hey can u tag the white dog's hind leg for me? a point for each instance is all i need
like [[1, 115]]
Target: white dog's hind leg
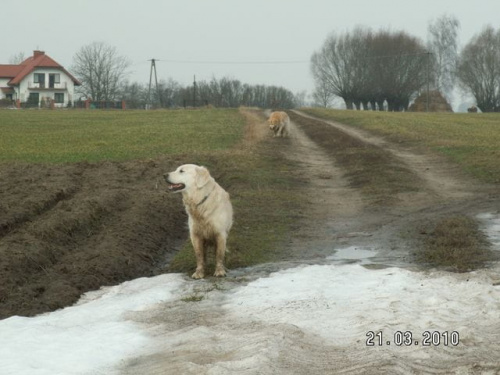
[[220, 252]]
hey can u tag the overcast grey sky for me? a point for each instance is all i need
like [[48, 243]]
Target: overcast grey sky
[[219, 30]]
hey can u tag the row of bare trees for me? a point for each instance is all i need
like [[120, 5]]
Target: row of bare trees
[[368, 69], [224, 92]]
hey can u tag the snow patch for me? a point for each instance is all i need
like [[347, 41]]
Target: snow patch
[[343, 303], [492, 223], [93, 334]]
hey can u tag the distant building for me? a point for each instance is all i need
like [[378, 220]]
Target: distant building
[[37, 79]]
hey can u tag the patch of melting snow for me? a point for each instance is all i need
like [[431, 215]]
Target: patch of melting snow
[[341, 303], [93, 334], [492, 227]]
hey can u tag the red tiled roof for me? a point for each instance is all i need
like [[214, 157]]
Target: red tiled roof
[[38, 60], [9, 71]]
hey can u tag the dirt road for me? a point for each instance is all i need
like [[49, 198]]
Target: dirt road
[[361, 277]]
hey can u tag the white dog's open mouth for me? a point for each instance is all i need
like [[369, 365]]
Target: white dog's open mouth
[[175, 187]]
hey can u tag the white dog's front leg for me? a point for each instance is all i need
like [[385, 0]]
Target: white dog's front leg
[[199, 251]]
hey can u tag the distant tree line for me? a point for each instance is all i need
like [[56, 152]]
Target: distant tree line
[[368, 69], [223, 92], [386, 69]]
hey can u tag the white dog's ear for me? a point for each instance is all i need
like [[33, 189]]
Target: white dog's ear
[[202, 177]]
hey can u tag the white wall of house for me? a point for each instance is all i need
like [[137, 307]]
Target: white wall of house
[[65, 86], [3, 83]]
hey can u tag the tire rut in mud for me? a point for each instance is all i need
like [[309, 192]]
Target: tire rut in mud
[[379, 175]]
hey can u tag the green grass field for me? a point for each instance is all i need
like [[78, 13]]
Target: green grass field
[[471, 140], [71, 136]]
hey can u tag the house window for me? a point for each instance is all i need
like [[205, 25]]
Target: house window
[[39, 78], [53, 79], [59, 97]]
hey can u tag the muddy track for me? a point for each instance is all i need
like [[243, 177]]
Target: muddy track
[[442, 179], [390, 217]]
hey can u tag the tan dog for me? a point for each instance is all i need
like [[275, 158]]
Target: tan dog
[[210, 213], [279, 122]]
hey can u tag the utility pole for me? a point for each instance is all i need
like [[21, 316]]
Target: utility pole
[[153, 67], [428, 80], [194, 91]]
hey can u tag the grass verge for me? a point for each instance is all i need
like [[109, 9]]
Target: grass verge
[[471, 140], [455, 243]]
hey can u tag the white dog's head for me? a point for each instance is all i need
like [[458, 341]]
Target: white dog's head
[[187, 177]]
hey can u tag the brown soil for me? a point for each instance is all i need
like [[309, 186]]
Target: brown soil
[[67, 229]]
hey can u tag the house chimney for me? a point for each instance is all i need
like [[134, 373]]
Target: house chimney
[[38, 53]]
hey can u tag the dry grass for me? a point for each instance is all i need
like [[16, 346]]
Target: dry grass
[[455, 243]]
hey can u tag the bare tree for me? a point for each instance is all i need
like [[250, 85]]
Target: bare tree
[[17, 59], [443, 43], [135, 94], [322, 95], [398, 67], [101, 71], [338, 64], [479, 69]]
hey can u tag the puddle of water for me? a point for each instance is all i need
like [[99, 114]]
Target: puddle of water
[[352, 254], [491, 222]]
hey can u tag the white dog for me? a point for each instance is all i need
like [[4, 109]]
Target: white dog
[[209, 210]]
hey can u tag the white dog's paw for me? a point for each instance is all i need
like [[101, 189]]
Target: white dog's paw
[[220, 272], [199, 274]]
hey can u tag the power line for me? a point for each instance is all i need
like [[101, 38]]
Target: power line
[[221, 62]]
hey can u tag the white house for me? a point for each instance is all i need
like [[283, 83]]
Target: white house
[[38, 78]]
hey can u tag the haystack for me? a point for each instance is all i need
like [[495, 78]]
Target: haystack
[[437, 103]]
